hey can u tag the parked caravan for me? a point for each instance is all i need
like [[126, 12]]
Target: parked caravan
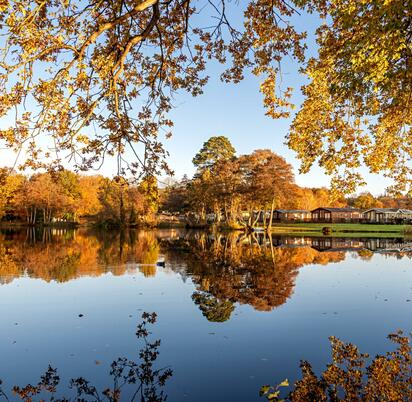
[[387, 215]]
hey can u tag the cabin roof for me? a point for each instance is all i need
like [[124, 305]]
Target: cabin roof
[[337, 209], [292, 210], [395, 210]]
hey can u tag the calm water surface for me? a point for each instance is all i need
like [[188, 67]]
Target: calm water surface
[[234, 312]]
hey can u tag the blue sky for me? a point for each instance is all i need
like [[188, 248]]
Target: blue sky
[[236, 111]]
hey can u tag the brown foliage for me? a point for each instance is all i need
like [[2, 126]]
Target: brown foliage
[[349, 378]]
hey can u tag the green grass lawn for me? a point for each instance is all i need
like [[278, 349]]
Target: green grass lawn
[[341, 228]]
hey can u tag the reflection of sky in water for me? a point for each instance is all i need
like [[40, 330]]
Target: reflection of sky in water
[[360, 301]]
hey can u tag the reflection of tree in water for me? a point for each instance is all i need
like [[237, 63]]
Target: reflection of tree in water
[[234, 268], [352, 376], [127, 246], [365, 254], [213, 309], [140, 380], [62, 255], [257, 270]]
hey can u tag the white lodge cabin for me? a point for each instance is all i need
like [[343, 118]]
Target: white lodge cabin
[[387, 215]]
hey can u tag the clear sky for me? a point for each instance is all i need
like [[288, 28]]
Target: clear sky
[[236, 111]]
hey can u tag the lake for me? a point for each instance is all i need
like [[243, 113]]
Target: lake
[[234, 312]]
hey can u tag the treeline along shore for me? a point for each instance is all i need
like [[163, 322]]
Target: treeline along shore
[[250, 191]]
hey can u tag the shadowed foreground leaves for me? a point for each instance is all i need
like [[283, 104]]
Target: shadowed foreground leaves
[[146, 381], [348, 378]]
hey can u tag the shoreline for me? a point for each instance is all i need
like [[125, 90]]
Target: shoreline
[[302, 229]]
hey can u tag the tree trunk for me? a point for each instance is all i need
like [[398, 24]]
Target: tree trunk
[[202, 214], [271, 214], [256, 220], [264, 219], [226, 213], [121, 210], [272, 253], [217, 211], [45, 216]]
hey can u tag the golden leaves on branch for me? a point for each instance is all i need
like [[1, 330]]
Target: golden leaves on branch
[[114, 70], [357, 109]]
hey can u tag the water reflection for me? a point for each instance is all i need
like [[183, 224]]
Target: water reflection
[[253, 270], [62, 255], [132, 379], [209, 290], [258, 270]]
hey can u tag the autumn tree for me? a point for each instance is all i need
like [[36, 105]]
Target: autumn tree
[[46, 196], [357, 107], [36, 195], [367, 201], [303, 198], [125, 204], [109, 71], [267, 181], [199, 192], [10, 185], [216, 190], [112, 196], [89, 203], [395, 202], [216, 167], [214, 150], [68, 185], [257, 182], [148, 187], [175, 198], [226, 190]]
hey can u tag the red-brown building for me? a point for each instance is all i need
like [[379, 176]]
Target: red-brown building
[[336, 215]]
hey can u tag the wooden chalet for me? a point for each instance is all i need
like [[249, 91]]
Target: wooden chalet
[[290, 215], [387, 215], [336, 215]]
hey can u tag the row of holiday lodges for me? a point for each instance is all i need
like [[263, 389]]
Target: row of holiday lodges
[[331, 215]]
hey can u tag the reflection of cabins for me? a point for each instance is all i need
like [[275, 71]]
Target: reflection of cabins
[[280, 241], [387, 215], [399, 245], [297, 241], [349, 244], [336, 244], [336, 215], [284, 215]]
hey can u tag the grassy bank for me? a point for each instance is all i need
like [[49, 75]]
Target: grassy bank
[[342, 228]]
